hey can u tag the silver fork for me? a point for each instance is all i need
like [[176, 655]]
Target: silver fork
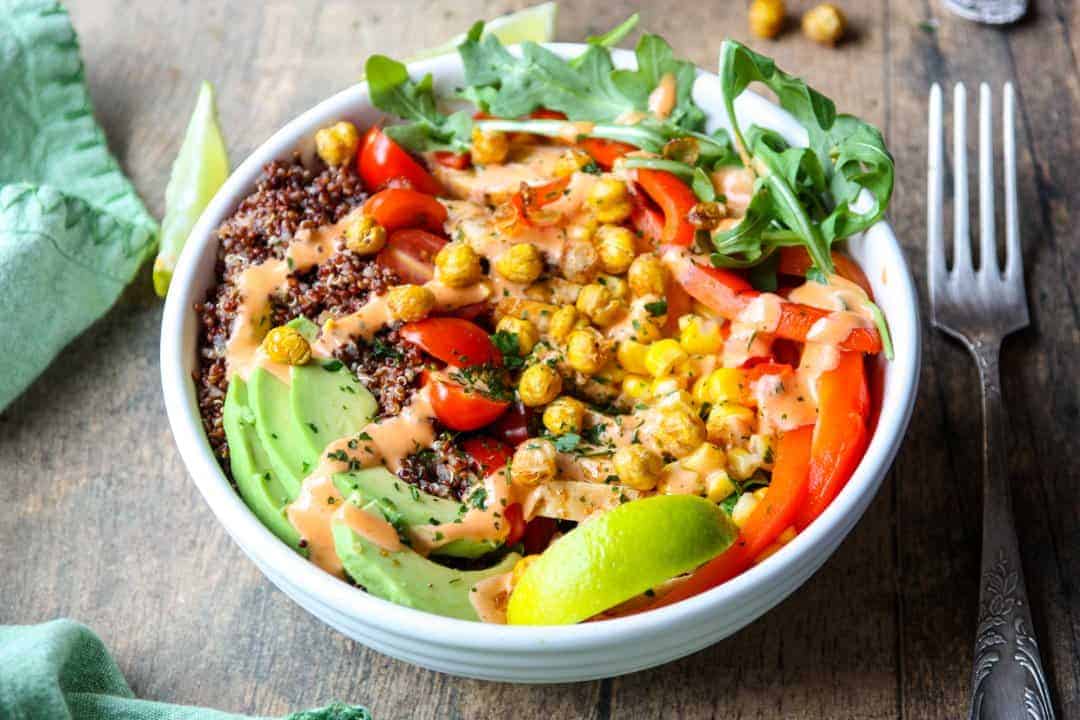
[[979, 307]]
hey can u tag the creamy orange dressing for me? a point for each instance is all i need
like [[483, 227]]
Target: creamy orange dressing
[[478, 523], [487, 183], [584, 469], [677, 480], [662, 98], [751, 332], [784, 402], [318, 506], [490, 596], [570, 499], [736, 184], [847, 302]]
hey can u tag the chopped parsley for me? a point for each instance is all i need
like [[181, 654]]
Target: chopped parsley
[[657, 308]]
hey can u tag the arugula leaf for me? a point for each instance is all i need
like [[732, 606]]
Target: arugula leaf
[[803, 196], [615, 35], [655, 60], [393, 91]]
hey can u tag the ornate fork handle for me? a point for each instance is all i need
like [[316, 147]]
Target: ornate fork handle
[[1008, 681]]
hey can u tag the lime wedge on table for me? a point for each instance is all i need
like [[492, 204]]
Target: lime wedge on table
[[536, 23], [199, 170], [617, 556]]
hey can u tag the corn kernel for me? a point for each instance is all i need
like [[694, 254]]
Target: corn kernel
[[618, 287], [635, 386], [337, 144], [410, 303], [570, 161], [663, 386], [648, 276], [562, 322], [522, 263], [585, 351], [489, 148], [526, 332], [761, 446], [674, 398], [616, 247], [742, 463], [638, 466], [725, 385], [364, 236], [744, 508], [457, 265], [705, 459], [760, 493], [699, 336], [718, 486], [631, 355], [663, 356], [597, 303], [539, 385], [610, 200], [564, 415]]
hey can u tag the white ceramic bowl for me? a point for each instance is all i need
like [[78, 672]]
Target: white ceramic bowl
[[528, 654]]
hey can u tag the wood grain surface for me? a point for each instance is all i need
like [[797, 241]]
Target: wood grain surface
[[101, 523]]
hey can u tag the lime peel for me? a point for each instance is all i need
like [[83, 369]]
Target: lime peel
[[535, 24], [200, 169], [618, 556]]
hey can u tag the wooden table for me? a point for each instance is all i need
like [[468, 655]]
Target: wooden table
[[101, 522]]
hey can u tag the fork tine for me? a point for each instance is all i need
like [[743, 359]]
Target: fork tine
[[1013, 261], [935, 179], [961, 230], [988, 264]]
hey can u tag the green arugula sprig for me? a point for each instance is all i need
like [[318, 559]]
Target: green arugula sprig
[[803, 196]]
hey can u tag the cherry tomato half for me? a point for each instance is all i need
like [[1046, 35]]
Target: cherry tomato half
[[456, 161], [380, 159], [512, 427], [410, 254], [396, 208], [454, 341], [489, 453], [461, 409]]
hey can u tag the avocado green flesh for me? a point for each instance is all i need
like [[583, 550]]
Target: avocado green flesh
[[409, 579], [415, 507], [257, 483], [327, 405], [290, 458]]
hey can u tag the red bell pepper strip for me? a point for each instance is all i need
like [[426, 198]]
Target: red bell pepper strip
[[605, 152], [533, 197], [796, 261], [769, 519], [380, 159], [675, 199], [840, 435], [728, 294], [395, 208]]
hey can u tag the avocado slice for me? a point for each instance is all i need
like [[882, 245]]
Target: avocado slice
[[290, 458], [413, 506], [260, 487], [407, 578], [327, 403]]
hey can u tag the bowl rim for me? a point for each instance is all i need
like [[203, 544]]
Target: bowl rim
[[266, 550]]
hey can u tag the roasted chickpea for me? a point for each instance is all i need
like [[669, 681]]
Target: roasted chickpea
[[539, 385], [286, 345], [730, 424], [564, 415], [522, 263], [598, 304], [677, 431], [458, 265], [337, 144], [580, 261], [526, 333], [586, 351], [767, 18], [648, 276], [534, 462], [562, 322], [610, 200], [620, 289], [616, 247], [410, 303], [582, 231], [706, 215], [684, 150], [638, 466], [489, 148], [364, 236], [824, 24]]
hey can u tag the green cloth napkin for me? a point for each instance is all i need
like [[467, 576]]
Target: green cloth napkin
[[61, 670], [73, 232]]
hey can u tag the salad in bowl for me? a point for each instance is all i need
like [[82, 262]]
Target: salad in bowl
[[549, 349]]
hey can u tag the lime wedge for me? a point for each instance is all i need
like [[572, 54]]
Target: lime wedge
[[536, 23], [617, 556], [199, 170]]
